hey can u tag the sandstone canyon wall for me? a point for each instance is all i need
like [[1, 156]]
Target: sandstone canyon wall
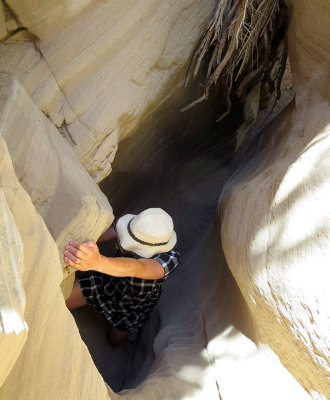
[[275, 213], [53, 356], [94, 70], [76, 78]]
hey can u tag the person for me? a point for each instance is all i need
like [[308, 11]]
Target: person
[[125, 288]]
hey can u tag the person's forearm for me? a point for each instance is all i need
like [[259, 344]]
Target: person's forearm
[[130, 267], [86, 256]]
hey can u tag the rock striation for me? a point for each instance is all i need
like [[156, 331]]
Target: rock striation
[[65, 196], [96, 73]]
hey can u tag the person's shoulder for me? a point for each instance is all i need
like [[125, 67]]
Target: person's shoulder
[[171, 253], [168, 260], [170, 257], [175, 252]]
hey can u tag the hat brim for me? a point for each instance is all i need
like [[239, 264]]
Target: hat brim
[[129, 244]]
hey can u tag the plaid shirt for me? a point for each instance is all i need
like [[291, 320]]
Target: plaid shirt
[[126, 302]]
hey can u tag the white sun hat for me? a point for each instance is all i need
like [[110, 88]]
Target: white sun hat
[[146, 234]]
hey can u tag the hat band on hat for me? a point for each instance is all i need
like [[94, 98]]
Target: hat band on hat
[[139, 240]]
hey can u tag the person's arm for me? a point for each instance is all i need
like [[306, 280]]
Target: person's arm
[[86, 256], [109, 234]]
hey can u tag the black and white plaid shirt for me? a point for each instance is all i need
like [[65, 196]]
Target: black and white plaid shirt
[[126, 302]]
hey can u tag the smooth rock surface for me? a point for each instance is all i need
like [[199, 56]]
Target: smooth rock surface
[[54, 362], [113, 63], [13, 328], [71, 204], [275, 213], [3, 29]]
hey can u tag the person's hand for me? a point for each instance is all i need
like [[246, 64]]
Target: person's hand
[[83, 256]]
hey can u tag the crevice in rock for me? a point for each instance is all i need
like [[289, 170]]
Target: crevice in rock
[[10, 13], [63, 129], [12, 34], [14, 26]]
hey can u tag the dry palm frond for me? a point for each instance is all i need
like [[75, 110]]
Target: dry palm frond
[[237, 40]]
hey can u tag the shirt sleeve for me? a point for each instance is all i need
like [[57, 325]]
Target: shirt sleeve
[[169, 261]]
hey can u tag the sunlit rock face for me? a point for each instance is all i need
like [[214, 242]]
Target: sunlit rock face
[[47, 198], [98, 67], [67, 198], [13, 328], [275, 213], [54, 360]]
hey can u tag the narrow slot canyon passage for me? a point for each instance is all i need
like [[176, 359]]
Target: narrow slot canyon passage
[[216, 111], [181, 165], [198, 337]]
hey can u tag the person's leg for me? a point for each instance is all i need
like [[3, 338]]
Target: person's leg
[[76, 299], [115, 336]]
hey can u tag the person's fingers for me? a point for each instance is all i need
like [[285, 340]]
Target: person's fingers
[[75, 244], [68, 254], [86, 248], [70, 262], [90, 243], [76, 252]]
